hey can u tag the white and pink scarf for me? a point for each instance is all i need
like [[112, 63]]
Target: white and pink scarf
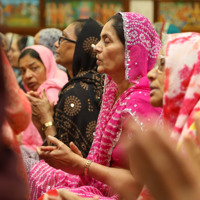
[[182, 82]]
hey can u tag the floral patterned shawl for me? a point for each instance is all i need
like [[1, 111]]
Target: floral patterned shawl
[[142, 46], [182, 82]]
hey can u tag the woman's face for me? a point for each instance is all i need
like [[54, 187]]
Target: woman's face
[[65, 50], [110, 52], [157, 76], [33, 72], [13, 54]]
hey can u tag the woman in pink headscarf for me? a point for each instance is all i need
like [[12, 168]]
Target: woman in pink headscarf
[[126, 52], [39, 72]]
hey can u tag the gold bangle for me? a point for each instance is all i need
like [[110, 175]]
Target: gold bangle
[[86, 167], [46, 125]]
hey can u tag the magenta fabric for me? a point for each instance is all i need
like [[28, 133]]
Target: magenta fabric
[[55, 80], [134, 101], [142, 46]]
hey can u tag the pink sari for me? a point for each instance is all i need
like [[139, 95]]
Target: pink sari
[[142, 47], [55, 80]]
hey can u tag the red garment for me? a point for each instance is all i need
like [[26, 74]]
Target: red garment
[[17, 111]]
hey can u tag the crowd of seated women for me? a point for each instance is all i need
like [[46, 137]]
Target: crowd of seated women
[[101, 112]]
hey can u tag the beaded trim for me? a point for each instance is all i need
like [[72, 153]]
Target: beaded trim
[[138, 30]]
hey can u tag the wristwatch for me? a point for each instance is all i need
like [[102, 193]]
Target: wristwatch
[[46, 125]]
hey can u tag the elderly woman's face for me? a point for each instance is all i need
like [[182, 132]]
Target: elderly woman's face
[[65, 50], [157, 76], [110, 52], [33, 72]]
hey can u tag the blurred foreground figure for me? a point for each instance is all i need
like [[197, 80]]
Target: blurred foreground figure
[[175, 81], [15, 115]]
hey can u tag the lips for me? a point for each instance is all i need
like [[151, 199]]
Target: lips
[[97, 57], [98, 61], [31, 85], [153, 89]]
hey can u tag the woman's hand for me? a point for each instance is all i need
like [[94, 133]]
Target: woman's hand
[[62, 157], [64, 194], [168, 174], [42, 109]]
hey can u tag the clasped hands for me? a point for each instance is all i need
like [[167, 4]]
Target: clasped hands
[[41, 107], [60, 156]]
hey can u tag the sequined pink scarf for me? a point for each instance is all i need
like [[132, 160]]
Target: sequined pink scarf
[[142, 46]]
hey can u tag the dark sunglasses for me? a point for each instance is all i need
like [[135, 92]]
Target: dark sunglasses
[[64, 38]]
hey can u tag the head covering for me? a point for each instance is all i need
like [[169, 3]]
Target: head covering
[[48, 36], [84, 56], [182, 81], [55, 78], [142, 46]]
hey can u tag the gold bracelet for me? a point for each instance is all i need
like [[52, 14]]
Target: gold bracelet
[[86, 167], [46, 125]]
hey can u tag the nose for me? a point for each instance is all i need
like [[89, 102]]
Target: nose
[[152, 74], [56, 44], [97, 48], [9, 53], [27, 74]]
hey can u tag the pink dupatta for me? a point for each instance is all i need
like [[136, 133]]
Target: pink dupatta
[[142, 47], [55, 80]]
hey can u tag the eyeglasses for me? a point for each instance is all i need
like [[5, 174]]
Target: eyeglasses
[[160, 64], [64, 38]]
